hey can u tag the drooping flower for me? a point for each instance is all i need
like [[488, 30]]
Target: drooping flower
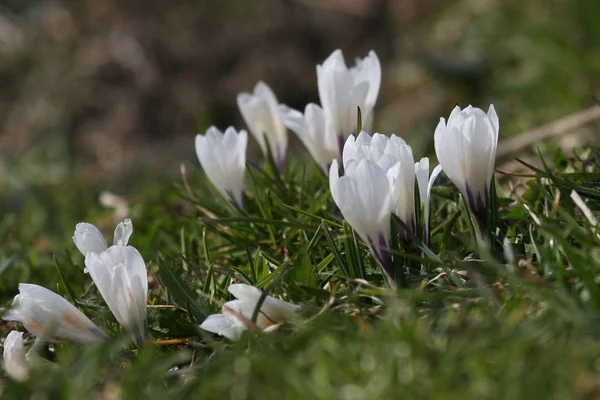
[[89, 239], [15, 363], [364, 197], [466, 149], [342, 90], [260, 110], [42, 311], [223, 158], [231, 326], [121, 278], [310, 128], [425, 183], [395, 157]]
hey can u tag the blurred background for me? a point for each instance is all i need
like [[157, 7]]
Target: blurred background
[[108, 95]]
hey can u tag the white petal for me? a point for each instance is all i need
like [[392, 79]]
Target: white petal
[[223, 159], [422, 174], [88, 239], [274, 309], [15, 363], [121, 278], [426, 207], [222, 325], [123, 232], [42, 311]]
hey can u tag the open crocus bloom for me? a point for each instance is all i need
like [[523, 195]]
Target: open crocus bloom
[[260, 110], [342, 90], [15, 363], [89, 239], [228, 323], [364, 197], [223, 159], [310, 128], [42, 311], [425, 184], [395, 157], [121, 278], [466, 149]]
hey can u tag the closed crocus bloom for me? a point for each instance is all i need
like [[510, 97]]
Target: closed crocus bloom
[[260, 110], [364, 197], [231, 326], [342, 90], [425, 184], [42, 311], [395, 157], [89, 239], [121, 278], [223, 159], [310, 128], [15, 363], [466, 148]]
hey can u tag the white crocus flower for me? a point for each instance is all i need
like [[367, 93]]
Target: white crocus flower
[[231, 326], [466, 149], [43, 312], [223, 159], [260, 110], [89, 239], [15, 363], [364, 197], [395, 157], [425, 183], [121, 278], [342, 90], [310, 128]]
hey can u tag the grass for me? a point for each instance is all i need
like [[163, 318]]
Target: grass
[[469, 322]]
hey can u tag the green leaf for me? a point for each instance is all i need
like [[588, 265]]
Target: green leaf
[[181, 289]]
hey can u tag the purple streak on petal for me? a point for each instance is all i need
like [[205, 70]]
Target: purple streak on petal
[[279, 158], [404, 236], [478, 206], [341, 140], [382, 255]]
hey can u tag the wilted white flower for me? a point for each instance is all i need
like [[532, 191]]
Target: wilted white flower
[[425, 183], [342, 90], [42, 311], [228, 323], [89, 239], [121, 278], [223, 158], [466, 149], [364, 197], [260, 110], [15, 363], [310, 128], [395, 157]]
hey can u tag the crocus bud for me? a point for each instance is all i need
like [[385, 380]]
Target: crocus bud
[[466, 149], [15, 363], [364, 197], [260, 110], [395, 157], [310, 128], [231, 326], [121, 278], [223, 159], [343, 90], [425, 183], [43, 312]]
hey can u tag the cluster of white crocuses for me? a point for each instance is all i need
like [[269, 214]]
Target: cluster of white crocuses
[[119, 273], [323, 129], [379, 171]]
